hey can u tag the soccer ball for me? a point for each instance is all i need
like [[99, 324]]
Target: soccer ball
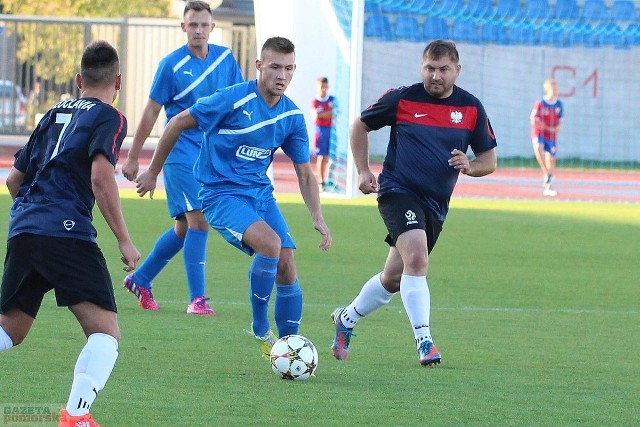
[[294, 357]]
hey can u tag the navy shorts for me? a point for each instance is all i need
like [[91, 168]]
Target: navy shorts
[[75, 269], [401, 212]]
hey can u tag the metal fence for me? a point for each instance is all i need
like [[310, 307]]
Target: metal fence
[[39, 57]]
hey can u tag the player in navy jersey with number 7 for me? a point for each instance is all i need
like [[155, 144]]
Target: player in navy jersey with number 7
[[244, 125], [67, 166], [433, 123]]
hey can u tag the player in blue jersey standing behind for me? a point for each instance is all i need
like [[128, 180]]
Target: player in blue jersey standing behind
[[244, 125], [433, 123], [194, 70], [66, 167]]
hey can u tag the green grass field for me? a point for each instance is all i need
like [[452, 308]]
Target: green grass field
[[535, 312]]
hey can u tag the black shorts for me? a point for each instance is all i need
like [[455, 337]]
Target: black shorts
[[402, 212], [75, 269]]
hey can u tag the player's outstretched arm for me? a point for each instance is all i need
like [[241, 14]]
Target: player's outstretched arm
[[146, 182], [311, 196], [105, 190], [149, 116]]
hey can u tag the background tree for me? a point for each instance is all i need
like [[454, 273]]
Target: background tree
[[50, 50]]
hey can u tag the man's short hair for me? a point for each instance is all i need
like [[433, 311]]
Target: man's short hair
[[438, 49], [198, 6], [278, 44], [99, 65]]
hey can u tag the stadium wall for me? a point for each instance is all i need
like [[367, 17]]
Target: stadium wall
[[596, 90], [595, 86]]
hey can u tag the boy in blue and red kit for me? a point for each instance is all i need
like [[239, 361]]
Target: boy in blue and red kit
[[322, 110], [545, 125]]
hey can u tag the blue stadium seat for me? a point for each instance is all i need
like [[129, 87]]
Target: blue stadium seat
[[407, 28], [567, 10], [552, 34], [372, 8], [536, 9], [581, 33], [507, 9], [610, 34], [494, 32], [524, 33], [421, 6], [465, 32], [595, 10], [623, 10], [479, 9], [632, 34], [435, 28], [393, 6], [450, 9], [377, 26]]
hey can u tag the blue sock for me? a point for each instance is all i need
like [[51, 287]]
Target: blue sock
[[165, 248], [195, 249], [262, 276], [288, 310]]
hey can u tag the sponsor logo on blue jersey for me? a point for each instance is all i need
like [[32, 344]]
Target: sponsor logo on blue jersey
[[252, 153]]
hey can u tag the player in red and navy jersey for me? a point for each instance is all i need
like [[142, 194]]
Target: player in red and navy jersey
[[545, 125], [322, 111], [433, 124], [57, 177]]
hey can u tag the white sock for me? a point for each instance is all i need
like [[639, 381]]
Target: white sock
[[372, 296], [414, 291], [5, 340], [93, 368]]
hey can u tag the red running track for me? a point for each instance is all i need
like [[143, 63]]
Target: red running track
[[511, 183]]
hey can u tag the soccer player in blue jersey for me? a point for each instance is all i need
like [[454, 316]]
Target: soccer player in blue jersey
[[433, 123], [66, 167], [190, 72], [244, 125]]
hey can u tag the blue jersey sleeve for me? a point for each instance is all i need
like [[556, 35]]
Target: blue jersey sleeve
[[163, 86], [210, 110], [296, 144]]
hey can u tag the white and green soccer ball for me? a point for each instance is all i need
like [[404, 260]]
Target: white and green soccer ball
[[294, 357]]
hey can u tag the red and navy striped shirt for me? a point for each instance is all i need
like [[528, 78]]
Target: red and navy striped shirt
[[424, 131]]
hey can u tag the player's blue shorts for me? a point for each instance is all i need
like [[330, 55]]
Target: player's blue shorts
[[182, 189], [323, 140], [232, 212], [549, 145]]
